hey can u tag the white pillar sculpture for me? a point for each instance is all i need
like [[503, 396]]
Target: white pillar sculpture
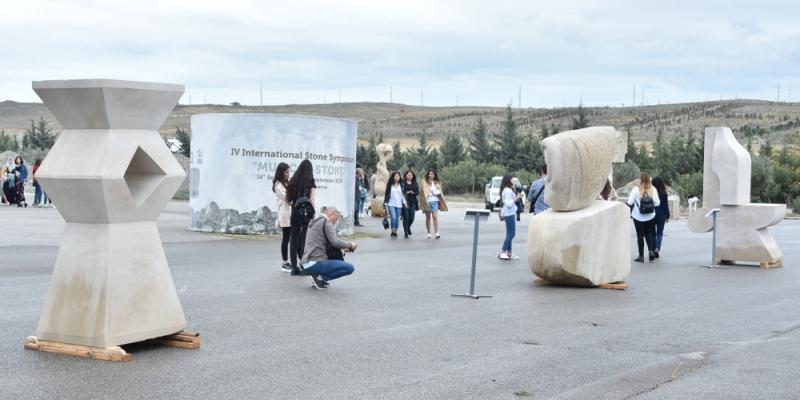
[[111, 175], [742, 233], [385, 153], [580, 241]]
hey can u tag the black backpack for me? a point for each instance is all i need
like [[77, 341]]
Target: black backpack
[[647, 205], [303, 208]]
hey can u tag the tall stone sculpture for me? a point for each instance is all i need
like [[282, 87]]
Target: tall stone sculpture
[[111, 175], [741, 226], [385, 153], [580, 241]]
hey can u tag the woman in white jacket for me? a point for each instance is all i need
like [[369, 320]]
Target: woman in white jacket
[[643, 200], [508, 214], [279, 183]]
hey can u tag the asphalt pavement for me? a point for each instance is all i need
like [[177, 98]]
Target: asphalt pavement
[[392, 330]]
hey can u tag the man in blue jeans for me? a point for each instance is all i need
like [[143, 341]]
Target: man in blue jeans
[[321, 232]]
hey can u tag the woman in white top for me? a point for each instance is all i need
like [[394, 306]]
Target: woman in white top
[[643, 200], [279, 183], [431, 200], [508, 213], [394, 200]]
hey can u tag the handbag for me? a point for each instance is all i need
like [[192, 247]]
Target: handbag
[[331, 251], [385, 223]]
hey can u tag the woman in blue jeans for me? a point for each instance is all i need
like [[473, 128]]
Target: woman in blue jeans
[[662, 213], [395, 200], [508, 213]]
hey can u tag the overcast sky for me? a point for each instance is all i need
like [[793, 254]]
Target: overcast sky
[[559, 52]]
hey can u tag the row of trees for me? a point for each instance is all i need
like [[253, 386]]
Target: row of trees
[[38, 140]]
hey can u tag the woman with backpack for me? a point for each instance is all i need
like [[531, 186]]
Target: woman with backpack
[[662, 212], [279, 186], [643, 200], [509, 196], [300, 194], [394, 201]]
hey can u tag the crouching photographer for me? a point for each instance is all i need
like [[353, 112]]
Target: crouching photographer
[[324, 260]]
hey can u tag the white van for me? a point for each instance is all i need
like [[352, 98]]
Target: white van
[[492, 192]]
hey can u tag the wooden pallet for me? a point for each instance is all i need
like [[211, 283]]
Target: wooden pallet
[[613, 286], [764, 264], [182, 339]]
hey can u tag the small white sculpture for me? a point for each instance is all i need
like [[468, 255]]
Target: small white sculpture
[[693, 203], [385, 153]]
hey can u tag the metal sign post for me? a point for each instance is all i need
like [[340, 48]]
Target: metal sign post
[[713, 214], [477, 216]]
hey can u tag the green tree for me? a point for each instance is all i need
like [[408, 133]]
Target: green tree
[[184, 142], [399, 158], [480, 149], [452, 150], [531, 153], [625, 172], [761, 179], [631, 153], [544, 131], [690, 185], [507, 144], [367, 156], [7, 142], [39, 136], [766, 148], [581, 121]]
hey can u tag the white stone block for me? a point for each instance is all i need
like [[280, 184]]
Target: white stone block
[[743, 235], [587, 247], [110, 175], [577, 166]]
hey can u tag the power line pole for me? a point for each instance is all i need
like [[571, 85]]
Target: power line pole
[[633, 103], [643, 102], [779, 92], [260, 94], [390, 95], [519, 97], [456, 100], [421, 97]]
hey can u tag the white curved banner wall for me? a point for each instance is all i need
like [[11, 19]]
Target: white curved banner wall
[[234, 157]]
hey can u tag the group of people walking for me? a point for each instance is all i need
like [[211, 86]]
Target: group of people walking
[[404, 197], [13, 177]]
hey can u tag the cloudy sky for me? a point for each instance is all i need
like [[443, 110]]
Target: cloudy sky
[[479, 52]]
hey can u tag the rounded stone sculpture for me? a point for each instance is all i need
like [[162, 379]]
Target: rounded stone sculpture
[[577, 166], [110, 174]]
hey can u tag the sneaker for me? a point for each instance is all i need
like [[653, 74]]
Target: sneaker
[[656, 253], [298, 271], [503, 256], [429, 236], [652, 256], [406, 236], [318, 283], [639, 259], [438, 236], [286, 267]]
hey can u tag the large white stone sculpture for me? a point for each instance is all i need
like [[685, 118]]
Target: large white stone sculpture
[[111, 175], [577, 166], [581, 241], [385, 153], [742, 233]]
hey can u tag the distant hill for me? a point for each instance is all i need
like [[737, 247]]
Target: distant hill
[[401, 122]]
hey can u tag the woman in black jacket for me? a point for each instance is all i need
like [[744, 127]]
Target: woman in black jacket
[[662, 212], [411, 191]]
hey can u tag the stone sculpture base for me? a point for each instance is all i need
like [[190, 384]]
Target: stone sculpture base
[[587, 247], [376, 207], [742, 233], [111, 286]]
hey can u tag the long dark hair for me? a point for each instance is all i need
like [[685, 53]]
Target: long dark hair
[[302, 181], [413, 176], [21, 161], [279, 175], [658, 183], [390, 182], [435, 176], [507, 182]]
